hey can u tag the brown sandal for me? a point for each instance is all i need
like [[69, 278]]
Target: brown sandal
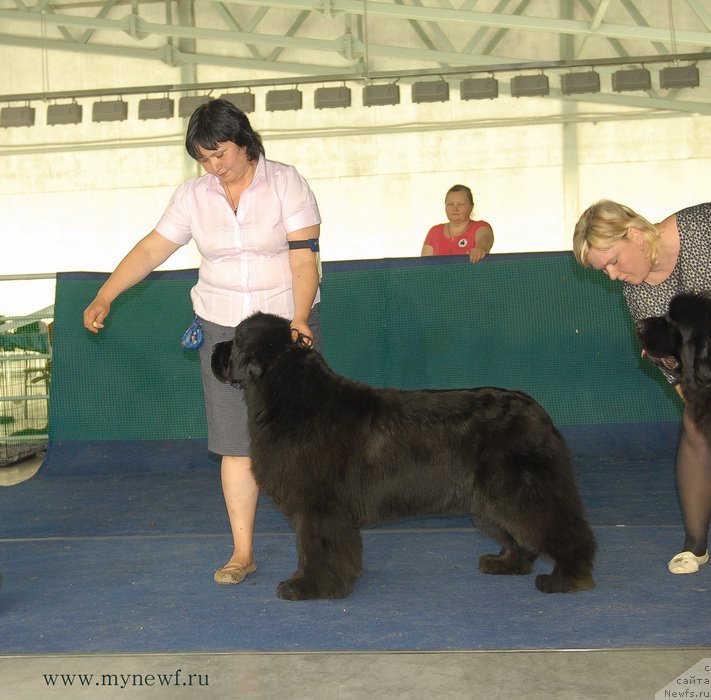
[[231, 574]]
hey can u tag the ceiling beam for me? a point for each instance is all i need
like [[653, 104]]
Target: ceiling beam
[[134, 26], [174, 57], [488, 19]]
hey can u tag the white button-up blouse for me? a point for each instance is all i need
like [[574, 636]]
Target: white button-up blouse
[[245, 255]]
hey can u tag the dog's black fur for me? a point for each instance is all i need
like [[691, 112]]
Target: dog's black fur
[[680, 342], [335, 455]]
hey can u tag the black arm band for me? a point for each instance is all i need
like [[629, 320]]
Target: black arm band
[[308, 243]]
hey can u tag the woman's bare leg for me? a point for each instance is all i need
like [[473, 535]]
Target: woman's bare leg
[[241, 494]]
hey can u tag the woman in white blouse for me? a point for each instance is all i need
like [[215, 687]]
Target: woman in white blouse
[[256, 224]]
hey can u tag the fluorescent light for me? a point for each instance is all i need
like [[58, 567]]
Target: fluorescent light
[[529, 86], [635, 79], [430, 91], [64, 114], [479, 89], [679, 77], [241, 100], [325, 97], [189, 103], [17, 116], [161, 108], [374, 95], [282, 100], [109, 111], [577, 83]]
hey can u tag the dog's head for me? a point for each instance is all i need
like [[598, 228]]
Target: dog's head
[[680, 341], [258, 342]]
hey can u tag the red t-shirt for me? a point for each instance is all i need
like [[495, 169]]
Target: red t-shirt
[[459, 245]]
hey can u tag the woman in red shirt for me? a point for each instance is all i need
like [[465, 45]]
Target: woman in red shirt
[[460, 235]]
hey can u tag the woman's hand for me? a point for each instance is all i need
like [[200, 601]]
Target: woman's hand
[[145, 256], [484, 243], [304, 280], [95, 313], [302, 333], [477, 254]]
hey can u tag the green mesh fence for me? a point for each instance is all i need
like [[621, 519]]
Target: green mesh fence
[[536, 322], [132, 381]]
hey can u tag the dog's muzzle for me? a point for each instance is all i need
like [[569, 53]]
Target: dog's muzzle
[[669, 362]]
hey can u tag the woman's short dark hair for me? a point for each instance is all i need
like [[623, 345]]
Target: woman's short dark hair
[[217, 121]]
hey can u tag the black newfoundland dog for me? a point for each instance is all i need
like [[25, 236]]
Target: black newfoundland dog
[[335, 455], [680, 342]]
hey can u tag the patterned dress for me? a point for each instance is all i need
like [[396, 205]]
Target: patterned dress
[[692, 272]]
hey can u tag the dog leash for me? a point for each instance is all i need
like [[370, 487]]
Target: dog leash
[[299, 338]]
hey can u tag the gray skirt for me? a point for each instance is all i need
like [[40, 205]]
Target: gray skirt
[[225, 409]]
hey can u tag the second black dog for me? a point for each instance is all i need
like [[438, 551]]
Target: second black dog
[[680, 342]]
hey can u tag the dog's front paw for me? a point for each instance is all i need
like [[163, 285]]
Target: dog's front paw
[[296, 589], [305, 589]]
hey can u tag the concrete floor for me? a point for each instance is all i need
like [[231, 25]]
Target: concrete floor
[[628, 674], [550, 675]]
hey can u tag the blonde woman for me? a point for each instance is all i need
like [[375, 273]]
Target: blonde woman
[[654, 262]]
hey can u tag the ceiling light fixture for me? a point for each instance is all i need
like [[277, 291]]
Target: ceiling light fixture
[[17, 116], [579, 83], [479, 88], [241, 100], [679, 77], [631, 79], [109, 111], [64, 114], [159, 108], [529, 86], [430, 91], [189, 103], [328, 97], [283, 100], [376, 95]]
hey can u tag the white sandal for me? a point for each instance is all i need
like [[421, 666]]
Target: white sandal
[[687, 563]]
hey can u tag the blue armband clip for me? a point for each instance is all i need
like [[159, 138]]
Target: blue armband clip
[[311, 243]]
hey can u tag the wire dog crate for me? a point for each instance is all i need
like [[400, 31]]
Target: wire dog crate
[[25, 372]]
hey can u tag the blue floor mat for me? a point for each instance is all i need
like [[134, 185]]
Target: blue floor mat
[[120, 559], [420, 591]]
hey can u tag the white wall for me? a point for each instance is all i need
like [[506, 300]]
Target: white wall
[[78, 197]]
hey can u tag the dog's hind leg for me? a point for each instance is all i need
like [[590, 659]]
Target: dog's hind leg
[[512, 560], [572, 548], [330, 560]]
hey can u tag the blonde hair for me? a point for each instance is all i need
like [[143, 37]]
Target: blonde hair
[[606, 223]]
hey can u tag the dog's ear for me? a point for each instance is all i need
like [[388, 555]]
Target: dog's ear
[[696, 360], [221, 361], [243, 366], [253, 369]]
